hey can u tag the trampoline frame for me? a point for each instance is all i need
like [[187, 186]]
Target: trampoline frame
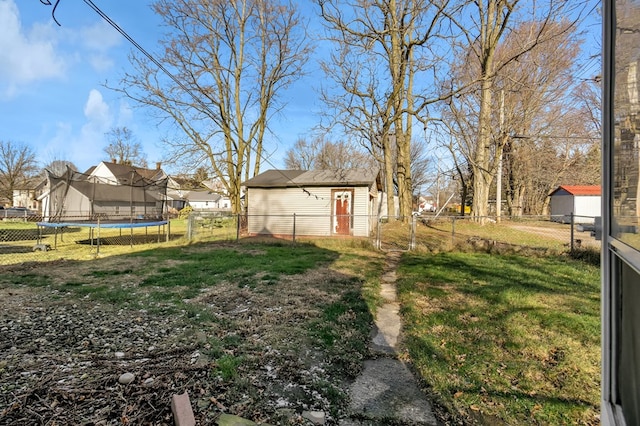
[[97, 225]]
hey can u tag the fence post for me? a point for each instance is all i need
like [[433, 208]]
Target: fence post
[[412, 245], [453, 230], [98, 239], [294, 228], [572, 222]]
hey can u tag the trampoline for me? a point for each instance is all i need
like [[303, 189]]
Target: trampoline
[[95, 226], [124, 225], [125, 198]]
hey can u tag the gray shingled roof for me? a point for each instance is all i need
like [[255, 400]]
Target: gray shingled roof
[[295, 178], [202, 196]]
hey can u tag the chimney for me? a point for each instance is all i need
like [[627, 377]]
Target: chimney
[[158, 165], [113, 160]]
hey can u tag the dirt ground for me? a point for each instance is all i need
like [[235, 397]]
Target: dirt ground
[[246, 351]]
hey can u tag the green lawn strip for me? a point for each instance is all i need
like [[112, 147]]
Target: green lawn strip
[[505, 338], [357, 258], [202, 268]]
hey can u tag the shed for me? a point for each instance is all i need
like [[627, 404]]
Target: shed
[[313, 202], [584, 201]]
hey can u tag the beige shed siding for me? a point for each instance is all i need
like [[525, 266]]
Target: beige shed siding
[[271, 211], [361, 212]]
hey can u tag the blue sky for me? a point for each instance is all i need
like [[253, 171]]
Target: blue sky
[[51, 82]]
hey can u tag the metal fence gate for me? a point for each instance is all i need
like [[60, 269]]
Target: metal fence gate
[[395, 233]]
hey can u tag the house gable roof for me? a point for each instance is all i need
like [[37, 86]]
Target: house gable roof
[[579, 190], [297, 178], [123, 171], [199, 196]]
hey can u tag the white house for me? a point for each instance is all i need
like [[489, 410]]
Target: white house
[[313, 203], [114, 173], [205, 200], [584, 201]]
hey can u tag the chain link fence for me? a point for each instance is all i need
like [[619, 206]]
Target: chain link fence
[[27, 239], [30, 239], [214, 225], [532, 233]]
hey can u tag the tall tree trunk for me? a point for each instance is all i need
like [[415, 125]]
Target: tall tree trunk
[[482, 176], [388, 176]]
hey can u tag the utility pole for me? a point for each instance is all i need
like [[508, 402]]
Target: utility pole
[[499, 177]]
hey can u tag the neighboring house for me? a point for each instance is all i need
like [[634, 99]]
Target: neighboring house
[[25, 198], [426, 204], [121, 174], [324, 202], [583, 201], [216, 186], [107, 191], [26, 195], [176, 195], [203, 200]]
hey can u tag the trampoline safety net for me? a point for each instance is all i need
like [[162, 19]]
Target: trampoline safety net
[[130, 197]]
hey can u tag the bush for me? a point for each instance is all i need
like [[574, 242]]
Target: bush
[[185, 212]]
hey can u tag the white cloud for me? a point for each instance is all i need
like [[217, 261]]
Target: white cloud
[[86, 147], [25, 58], [101, 63], [97, 112], [99, 39]]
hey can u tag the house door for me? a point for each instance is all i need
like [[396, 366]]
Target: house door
[[342, 212]]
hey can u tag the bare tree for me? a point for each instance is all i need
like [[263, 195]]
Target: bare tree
[[231, 60], [382, 45], [483, 63], [17, 166], [419, 166], [123, 149], [302, 155], [319, 154], [59, 167]]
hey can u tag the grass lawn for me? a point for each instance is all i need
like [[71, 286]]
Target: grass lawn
[[276, 328], [499, 338], [505, 339]]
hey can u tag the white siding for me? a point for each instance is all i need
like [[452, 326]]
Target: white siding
[[104, 175], [361, 212], [587, 206], [271, 211]]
